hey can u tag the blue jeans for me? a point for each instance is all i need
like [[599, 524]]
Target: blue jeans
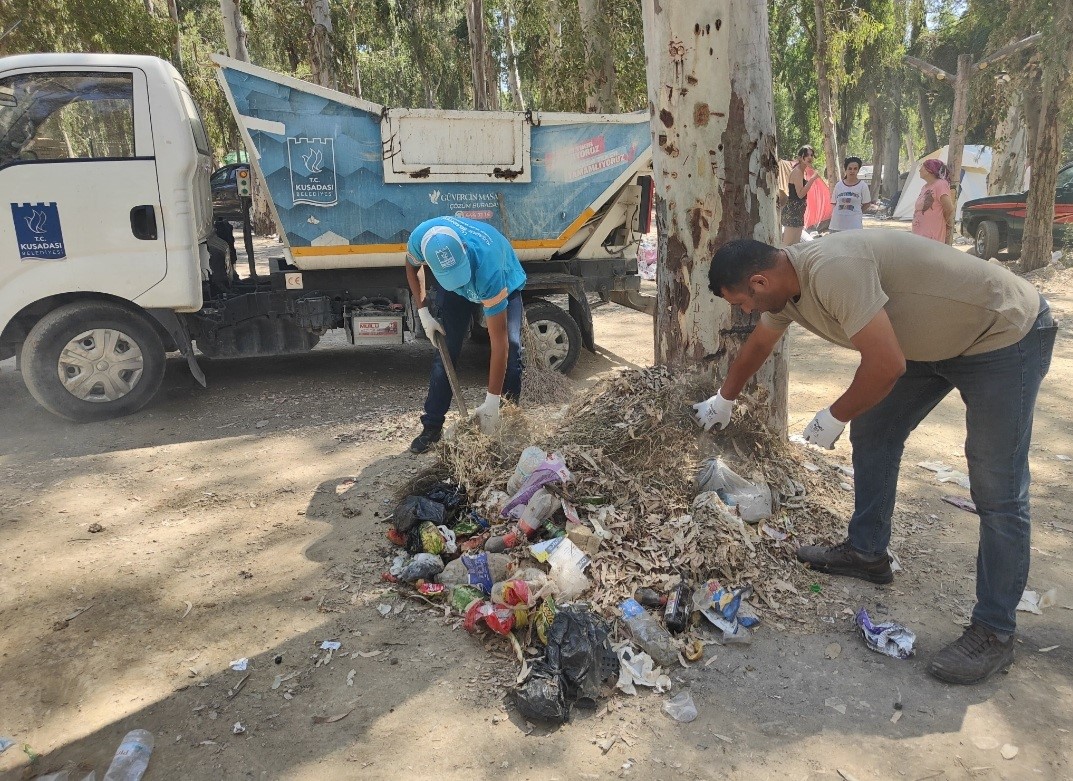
[[455, 314], [999, 390]]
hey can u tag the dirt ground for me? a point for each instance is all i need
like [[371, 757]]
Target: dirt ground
[[245, 520]]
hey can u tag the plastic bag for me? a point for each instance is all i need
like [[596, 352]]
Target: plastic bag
[[531, 458], [567, 562], [752, 500], [551, 470], [423, 566], [541, 696], [414, 510], [480, 570], [452, 497], [890, 639], [680, 707]]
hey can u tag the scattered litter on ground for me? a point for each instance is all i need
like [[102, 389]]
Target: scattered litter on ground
[[238, 728], [680, 707], [636, 668], [889, 638], [95, 528], [833, 651], [239, 665], [1033, 602], [331, 645], [835, 703], [1009, 751], [1048, 649], [961, 503], [383, 609], [5, 744]]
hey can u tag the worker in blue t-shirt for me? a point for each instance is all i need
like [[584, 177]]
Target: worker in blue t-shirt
[[473, 264]]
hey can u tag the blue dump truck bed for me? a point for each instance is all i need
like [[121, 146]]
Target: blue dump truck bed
[[349, 179]]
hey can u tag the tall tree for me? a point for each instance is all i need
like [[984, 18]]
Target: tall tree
[[177, 35], [513, 77], [715, 166], [826, 92], [599, 75], [485, 74], [320, 47], [1054, 97]]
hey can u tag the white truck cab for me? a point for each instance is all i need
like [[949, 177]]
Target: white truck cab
[[104, 168]]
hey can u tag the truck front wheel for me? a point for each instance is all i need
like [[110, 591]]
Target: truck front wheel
[[557, 336], [93, 360]]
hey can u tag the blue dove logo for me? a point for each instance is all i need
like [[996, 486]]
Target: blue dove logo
[[314, 160], [434, 196], [36, 221]]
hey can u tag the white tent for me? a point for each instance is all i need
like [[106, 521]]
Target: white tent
[[975, 167]]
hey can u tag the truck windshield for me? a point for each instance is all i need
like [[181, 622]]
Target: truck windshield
[[197, 127], [53, 116]]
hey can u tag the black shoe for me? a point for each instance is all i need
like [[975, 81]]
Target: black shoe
[[973, 657], [428, 437], [843, 559]]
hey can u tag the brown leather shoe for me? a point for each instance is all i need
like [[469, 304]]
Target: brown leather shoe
[[973, 657], [844, 559]]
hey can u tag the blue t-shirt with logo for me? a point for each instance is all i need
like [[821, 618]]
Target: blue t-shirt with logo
[[495, 271]]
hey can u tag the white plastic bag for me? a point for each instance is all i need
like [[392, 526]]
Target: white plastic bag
[[752, 500]]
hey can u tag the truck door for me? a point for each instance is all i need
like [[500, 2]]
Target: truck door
[[78, 175]]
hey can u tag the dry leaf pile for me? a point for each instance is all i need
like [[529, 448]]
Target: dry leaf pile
[[634, 451]]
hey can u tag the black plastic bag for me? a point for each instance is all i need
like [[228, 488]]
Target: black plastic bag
[[451, 496], [578, 659], [414, 510], [541, 697]]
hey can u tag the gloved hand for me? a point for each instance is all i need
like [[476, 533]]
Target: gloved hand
[[429, 323], [488, 414], [824, 430], [713, 412]]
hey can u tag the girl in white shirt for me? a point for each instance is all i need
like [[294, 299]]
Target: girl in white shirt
[[850, 199]]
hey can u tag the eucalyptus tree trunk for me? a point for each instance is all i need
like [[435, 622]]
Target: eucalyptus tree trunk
[[234, 29], [1057, 80], [485, 75], [176, 37], [715, 166], [513, 78], [927, 120], [1011, 148], [320, 43], [826, 94], [599, 77], [875, 128]]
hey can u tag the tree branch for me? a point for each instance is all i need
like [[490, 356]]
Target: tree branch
[[928, 69], [1006, 51]]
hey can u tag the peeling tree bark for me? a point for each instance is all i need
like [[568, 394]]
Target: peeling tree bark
[[1011, 147], [599, 77], [715, 167], [512, 61], [485, 75], [320, 43]]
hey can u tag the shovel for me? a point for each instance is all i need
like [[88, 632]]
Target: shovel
[[441, 345]]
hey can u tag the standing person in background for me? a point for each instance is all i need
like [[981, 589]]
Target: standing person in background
[[793, 213], [934, 210], [850, 199], [474, 264]]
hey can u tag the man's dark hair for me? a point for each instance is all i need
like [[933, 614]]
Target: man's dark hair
[[737, 260], [848, 160]]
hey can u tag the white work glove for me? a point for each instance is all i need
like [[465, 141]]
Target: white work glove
[[713, 412], [429, 323], [824, 430], [488, 414]]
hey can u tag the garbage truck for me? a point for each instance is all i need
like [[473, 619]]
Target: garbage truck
[[109, 259]]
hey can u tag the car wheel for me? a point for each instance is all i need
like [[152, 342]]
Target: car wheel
[[988, 240], [557, 335], [93, 360]]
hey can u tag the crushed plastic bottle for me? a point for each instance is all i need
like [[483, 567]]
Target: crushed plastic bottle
[[132, 756], [649, 634]]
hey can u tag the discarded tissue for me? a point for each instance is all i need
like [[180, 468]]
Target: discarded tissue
[[893, 640]]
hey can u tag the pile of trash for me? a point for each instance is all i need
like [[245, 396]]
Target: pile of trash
[[614, 545]]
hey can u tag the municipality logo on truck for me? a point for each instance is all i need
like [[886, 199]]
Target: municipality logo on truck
[[312, 166], [37, 231]]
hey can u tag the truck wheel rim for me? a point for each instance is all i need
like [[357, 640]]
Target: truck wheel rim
[[981, 241], [100, 365], [553, 340]]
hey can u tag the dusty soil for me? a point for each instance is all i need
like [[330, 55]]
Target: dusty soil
[[245, 520]]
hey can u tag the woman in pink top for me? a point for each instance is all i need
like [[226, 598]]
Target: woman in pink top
[[935, 206]]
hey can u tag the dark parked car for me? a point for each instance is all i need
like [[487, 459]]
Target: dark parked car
[[998, 221], [225, 201]]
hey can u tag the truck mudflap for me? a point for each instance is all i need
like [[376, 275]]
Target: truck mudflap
[[180, 336]]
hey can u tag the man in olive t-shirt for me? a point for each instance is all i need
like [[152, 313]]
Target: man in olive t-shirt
[[926, 319]]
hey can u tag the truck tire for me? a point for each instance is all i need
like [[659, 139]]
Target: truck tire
[[988, 240], [557, 334], [93, 360]]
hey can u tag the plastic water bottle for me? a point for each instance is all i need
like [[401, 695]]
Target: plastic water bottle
[[649, 633], [132, 756]]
